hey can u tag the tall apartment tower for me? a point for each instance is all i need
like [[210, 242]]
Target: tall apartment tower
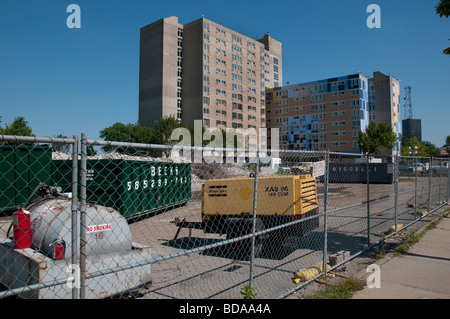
[[205, 71], [384, 102], [160, 68], [329, 114]]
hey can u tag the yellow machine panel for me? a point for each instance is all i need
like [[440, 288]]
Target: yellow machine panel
[[277, 196]]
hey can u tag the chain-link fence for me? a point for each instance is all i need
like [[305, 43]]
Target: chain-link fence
[[96, 219]]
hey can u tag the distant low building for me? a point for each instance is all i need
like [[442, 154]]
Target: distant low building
[[412, 128]]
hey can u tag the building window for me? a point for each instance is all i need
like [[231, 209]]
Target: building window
[[237, 58], [237, 39], [237, 106], [237, 96], [237, 116], [236, 86], [220, 91], [221, 61], [236, 67], [236, 48], [237, 77], [221, 71], [220, 81]]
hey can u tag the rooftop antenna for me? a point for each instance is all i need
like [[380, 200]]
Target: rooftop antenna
[[408, 103]]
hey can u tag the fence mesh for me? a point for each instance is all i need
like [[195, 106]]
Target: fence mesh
[[147, 224]]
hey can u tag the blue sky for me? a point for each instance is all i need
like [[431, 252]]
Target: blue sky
[[69, 81]]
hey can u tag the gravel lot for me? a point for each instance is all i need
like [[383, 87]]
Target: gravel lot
[[211, 274]]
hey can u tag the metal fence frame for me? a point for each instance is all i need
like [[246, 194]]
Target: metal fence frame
[[79, 205], [74, 258]]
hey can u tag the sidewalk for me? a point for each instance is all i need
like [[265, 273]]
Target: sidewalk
[[422, 272]]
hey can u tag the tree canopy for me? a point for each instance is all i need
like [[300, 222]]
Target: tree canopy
[[447, 144], [375, 136], [443, 10], [422, 149], [18, 127]]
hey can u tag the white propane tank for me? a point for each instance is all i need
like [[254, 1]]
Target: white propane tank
[[106, 229]]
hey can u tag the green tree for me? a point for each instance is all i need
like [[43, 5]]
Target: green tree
[[129, 133], [428, 149], [162, 130], [60, 147], [18, 127], [409, 144], [375, 136], [443, 10], [423, 149], [447, 144]]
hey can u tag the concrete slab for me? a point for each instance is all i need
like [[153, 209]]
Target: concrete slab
[[422, 272]]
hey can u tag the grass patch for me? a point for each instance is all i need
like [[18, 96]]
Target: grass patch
[[343, 289], [380, 251]]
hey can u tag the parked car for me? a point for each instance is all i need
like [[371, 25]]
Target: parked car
[[441, 168], [418, 167]]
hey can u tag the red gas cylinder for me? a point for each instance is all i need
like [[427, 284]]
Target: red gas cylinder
[[22, 229], [59, 247]]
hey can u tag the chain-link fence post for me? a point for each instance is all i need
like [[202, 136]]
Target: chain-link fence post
[[74, 218], [368, 199], [430, 173], [255, 197], [448, 182], [325, 209], [83, 225], [440, 180], [415, 186], [396, 173]]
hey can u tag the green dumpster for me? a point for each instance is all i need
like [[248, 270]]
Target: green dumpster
[[22, 168], [131, 187]]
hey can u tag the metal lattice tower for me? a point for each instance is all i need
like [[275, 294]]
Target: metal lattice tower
[[408, 103]]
